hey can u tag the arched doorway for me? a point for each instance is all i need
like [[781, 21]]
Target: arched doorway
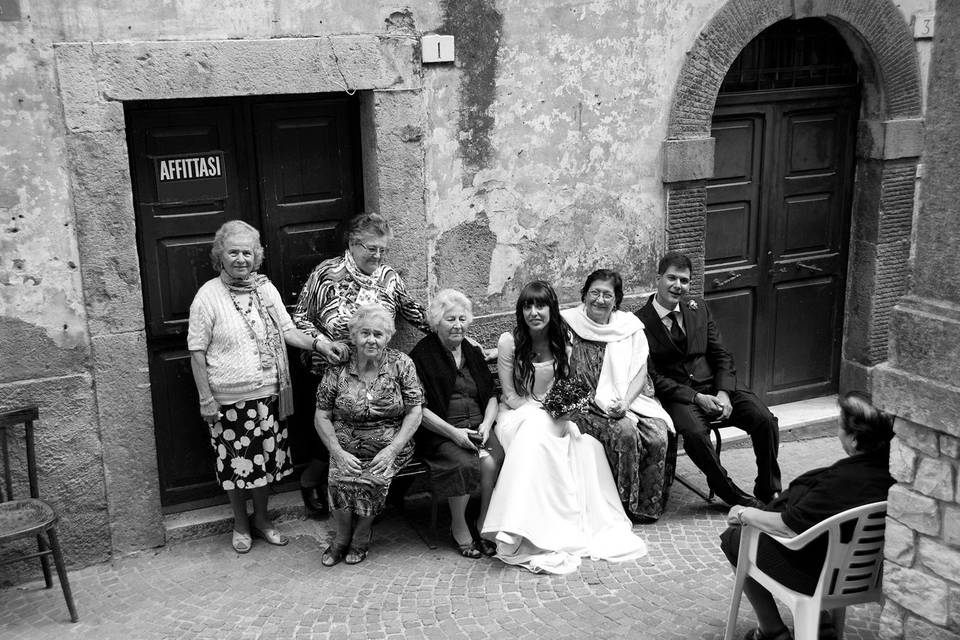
[[776, 232], [886, 154]]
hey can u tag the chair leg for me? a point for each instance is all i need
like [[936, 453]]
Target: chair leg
[[839, 618], [741, 578], [45, 561], [62, 573], [806, 620], [434, 518]]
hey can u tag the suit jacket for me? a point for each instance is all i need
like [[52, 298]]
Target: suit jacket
[[705, 367]]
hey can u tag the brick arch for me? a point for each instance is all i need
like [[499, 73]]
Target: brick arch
[[875, 26], [889, 143]]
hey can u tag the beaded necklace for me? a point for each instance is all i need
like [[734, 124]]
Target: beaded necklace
[[267, 359]]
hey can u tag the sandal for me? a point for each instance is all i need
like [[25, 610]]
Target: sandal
[[333, 555], [757, 634], [468, 549], [271, 536], [487, 547], [241, 542], [355, 555]]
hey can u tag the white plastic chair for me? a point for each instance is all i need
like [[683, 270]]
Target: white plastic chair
[[852, 571]]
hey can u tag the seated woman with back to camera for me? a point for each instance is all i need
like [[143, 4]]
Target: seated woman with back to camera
[[555, 500], [456, 439]]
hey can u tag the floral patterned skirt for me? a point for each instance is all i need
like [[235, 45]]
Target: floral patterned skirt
[[250, 444], [365, 494]]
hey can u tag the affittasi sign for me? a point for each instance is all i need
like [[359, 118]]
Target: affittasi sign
[[189, 178]]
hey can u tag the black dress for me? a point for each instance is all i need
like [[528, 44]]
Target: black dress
[[810, 499], [458, 395]]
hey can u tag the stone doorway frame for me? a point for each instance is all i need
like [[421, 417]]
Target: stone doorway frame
[[94, 81], [889, 144]]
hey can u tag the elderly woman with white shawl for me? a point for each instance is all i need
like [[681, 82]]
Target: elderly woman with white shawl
[[610, 355]]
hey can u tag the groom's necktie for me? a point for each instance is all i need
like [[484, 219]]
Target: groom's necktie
[[676, 333]]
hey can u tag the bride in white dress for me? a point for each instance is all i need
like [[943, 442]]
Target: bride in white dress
[[555, 500]]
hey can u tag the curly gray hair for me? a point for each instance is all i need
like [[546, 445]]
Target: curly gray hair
[[373, 224], [368, 315], [235, 228], [444, 301]]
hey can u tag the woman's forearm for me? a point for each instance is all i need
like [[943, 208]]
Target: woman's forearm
[[490, 414], [411, 420], [297, 338], [634, 388], [324, 426], [767, 521], [198, 365], [436, 424]]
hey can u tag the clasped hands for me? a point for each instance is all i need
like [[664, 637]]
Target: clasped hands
[[717, 406], [461, 436], [378, 466]]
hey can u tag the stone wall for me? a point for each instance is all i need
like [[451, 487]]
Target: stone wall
[[920, 383]]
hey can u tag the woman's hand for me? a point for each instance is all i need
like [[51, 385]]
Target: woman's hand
[[210, 411], [484, 429], [333, 352], [382, 461], [347, 460], [735, 515], [461, 438], [616, 410]]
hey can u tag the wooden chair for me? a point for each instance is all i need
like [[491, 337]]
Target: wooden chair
[[852, 571], [25, 517]]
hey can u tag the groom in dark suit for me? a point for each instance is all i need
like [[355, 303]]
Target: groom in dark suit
[[695, 379]]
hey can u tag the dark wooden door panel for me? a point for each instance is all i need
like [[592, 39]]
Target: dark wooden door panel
[[305, 153], [734, 313], [181, 229], [803, 353], [776, 230], [290, 170]]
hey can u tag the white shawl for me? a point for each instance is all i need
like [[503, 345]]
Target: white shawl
[[624, 358]]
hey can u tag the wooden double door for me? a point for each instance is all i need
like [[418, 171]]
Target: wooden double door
[[287, 166], [777, 233]]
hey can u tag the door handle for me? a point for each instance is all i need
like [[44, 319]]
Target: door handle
[[717, 282], [809, 267]]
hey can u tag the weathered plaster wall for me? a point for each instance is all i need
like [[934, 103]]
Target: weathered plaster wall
[[537, 154], [549, 167]]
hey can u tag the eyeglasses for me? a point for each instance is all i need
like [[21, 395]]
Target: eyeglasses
[[601, 295], [374, 251]]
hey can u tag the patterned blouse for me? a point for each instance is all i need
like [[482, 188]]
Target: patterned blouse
[[335, 289], [350, 399]]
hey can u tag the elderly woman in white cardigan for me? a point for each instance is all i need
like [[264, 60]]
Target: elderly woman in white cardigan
[[237, 339], [609, 354]]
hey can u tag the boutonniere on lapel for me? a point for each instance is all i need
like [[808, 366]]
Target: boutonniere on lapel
[[692, 304]]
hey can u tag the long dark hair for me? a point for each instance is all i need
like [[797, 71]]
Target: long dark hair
[[541, 293]]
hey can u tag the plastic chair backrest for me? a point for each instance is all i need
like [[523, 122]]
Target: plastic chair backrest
[[854, 562], [9, 419]]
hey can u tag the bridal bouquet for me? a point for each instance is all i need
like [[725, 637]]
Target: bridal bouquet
[[566, 396]]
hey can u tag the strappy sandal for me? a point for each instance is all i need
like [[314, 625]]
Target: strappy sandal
[[332, 555], [241, 542], [468, 549], [355, 555]]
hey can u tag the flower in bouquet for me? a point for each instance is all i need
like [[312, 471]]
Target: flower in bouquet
[[567, 396]]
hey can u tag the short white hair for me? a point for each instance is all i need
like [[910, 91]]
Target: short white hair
[[370, 314], [232, 228], [445, 300]]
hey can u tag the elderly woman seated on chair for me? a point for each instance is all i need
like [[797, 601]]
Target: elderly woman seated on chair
[[457, 440], [858, 479]]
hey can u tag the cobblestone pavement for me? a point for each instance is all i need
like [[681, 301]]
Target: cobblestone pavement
[[202, 589]]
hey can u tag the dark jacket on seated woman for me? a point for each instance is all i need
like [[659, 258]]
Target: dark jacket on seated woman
[[810, 499], [470, 388]]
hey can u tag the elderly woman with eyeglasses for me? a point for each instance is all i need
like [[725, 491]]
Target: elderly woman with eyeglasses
[[237, 338], [329, 299], [609, 354], [456, 440], [368, 409]]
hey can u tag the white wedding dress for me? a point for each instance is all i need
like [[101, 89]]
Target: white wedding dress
[[555, 500]]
